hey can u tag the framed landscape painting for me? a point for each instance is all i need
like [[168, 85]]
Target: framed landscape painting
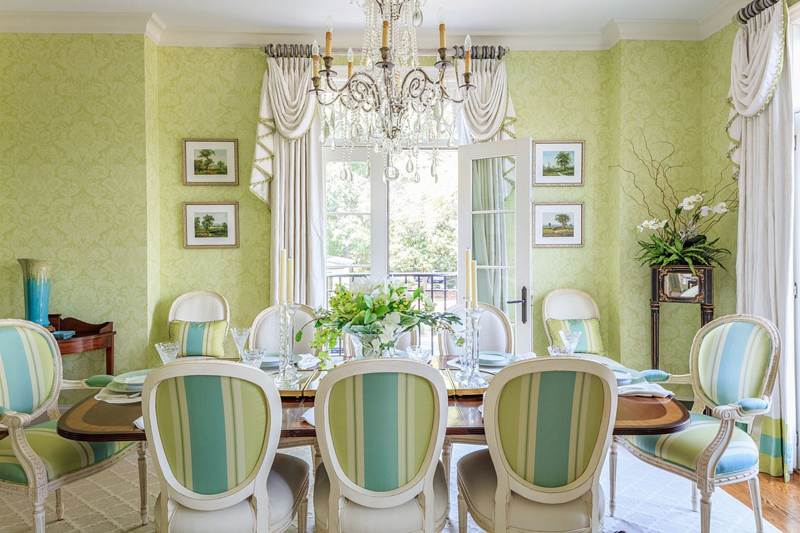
[[210, 162], [210, 225], [558, 225], [558, 163]]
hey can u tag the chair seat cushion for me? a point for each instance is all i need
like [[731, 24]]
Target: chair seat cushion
[[477, 483], [405, 518], [60, 456], [287, 484], [684, 448]]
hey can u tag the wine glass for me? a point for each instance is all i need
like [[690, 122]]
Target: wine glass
[[570, 339], [168, 351], [239, 338]]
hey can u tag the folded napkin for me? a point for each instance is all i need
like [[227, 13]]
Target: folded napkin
[[651, 390], [110, 396], [306, 361], [139, 423], [308, 416], [522, 357]]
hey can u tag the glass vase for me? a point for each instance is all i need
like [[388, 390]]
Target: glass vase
[[287, 375]]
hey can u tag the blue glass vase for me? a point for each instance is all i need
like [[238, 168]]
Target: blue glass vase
[[36, 275]]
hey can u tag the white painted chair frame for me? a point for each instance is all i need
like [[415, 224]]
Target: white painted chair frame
[[38, 488], [262, 320], [255, 486], [421, 486], [183, 299], [705, 478], [443, 337], [590, 308], [508, 481]]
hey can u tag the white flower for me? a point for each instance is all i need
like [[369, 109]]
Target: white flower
[[705, 211], [376, 344], [428, 302], [392, 319], [689, 202], [721, 208], [654, 224]]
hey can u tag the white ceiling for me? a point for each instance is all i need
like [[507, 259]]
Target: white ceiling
[[473, 16]]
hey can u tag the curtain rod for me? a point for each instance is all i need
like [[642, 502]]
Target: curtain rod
[[754, 8], [304, 50]]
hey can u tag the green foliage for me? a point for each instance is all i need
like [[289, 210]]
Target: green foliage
[[671, 250]]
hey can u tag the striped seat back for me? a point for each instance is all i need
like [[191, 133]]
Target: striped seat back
[[213, 430], [549, 425], [381, 426], [27, 369], [732, 361]]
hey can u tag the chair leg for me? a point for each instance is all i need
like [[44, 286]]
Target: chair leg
[[612, 474], [317, 455], [59, 505], [447, 451], [38, 516], [755, 496], [705, 511], [141, 450], [462, 515], [694, 496], [302, 516]]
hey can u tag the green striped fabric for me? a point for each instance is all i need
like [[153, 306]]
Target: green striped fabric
[[381, 426], [60, 456], [590, 340], [732, 361], [549, 424], [685, 448], [213, 430], [199, 338], [26, 369]]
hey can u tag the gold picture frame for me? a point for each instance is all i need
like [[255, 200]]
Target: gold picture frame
[[220, 158], [569, 234], [216, 219], [547, 176]]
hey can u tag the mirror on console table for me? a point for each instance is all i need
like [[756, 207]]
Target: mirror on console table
[[678, 284]]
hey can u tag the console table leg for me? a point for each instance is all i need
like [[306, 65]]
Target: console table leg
[[110, 359], [655, 308]]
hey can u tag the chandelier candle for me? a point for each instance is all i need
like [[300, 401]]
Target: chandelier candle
[[315, 60], [349, 63], [328, 36], [442, 40], [468, 55]]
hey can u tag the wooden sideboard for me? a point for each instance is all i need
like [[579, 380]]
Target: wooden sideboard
[[88, 337]]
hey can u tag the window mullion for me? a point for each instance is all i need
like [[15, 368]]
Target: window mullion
[[379, 217]]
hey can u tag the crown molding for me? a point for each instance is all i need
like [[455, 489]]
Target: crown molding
[[150, 25]]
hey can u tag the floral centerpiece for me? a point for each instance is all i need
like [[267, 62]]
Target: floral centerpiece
[[680, 219], [375, 313]]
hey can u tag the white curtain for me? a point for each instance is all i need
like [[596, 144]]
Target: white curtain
[[761, 131], [287, 175], [488, 115]]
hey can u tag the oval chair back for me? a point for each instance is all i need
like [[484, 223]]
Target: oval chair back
[[213, 427], [30, 367], [265, 331], [733, 358], [199, 306], [567, 304], [381, 426], [496, 334], [549, 425]]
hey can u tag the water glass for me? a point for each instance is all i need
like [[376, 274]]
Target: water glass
[[419, 353], [168, 351], [570, 339], [252, 357], [239, 338]]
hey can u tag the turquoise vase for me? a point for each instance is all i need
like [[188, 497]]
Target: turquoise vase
[[36, 275]]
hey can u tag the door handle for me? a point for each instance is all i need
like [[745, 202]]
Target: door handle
[[524, 302]]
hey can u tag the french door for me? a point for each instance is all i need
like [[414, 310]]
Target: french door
[[494, 221]]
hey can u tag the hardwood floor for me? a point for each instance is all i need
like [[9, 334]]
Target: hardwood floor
[[780, 501]]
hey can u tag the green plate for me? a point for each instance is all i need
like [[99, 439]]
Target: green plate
[[121, 387], [133, 378]]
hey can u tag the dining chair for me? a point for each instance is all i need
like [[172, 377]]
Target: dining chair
[[213, 427], [381, 425], [34, 459], [199, 306], [549, 425], [733, 364], [572, 304], [264, 333], [496, 334]]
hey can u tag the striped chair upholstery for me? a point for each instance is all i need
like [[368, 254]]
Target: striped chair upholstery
[[381, 426], [732, 361], [199, 338], [540, 409], [213, 430], [26, 369], [60, 456], [590, 340]]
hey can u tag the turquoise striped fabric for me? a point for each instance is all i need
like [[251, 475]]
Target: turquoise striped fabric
[[199, 338], [381, 426], [684, 448], [732, 361], [26, 369], [60, 456], [549, 424], [213, 430]]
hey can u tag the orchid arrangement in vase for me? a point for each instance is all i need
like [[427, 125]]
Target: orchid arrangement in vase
[[375, 314], [681, 219]]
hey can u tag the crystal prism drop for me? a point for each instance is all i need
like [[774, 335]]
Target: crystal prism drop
[[391, 173], [410, 166], [416, 19], [333, 144], [417, 179]]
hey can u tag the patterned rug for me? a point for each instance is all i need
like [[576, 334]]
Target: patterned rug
[[649, 501]]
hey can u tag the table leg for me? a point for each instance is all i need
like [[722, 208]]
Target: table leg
[[142, 450], [110, 359]]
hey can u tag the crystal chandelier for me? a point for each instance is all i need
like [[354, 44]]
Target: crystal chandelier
[[389, 102]]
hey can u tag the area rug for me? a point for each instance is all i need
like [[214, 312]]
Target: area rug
[[648, 501]]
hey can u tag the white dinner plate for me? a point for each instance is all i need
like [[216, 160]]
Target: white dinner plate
[[270, 360]]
